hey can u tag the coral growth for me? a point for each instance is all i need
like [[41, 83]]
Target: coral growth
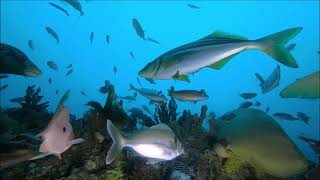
[[32, 100]]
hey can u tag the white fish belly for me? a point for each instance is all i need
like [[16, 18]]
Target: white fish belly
[[151, 151]]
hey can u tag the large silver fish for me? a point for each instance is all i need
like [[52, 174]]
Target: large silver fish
[[214, 51], [188, 95], [271, 82], [14, 61], [153, 95], [157, 142], [58, 136]]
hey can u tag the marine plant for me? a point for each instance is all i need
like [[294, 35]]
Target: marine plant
[[32, 100], [117, 173], [233, 165]]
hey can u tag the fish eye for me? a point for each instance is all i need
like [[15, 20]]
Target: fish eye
[[64, 129]]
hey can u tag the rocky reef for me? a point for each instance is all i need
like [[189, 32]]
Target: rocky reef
[[87, 160]]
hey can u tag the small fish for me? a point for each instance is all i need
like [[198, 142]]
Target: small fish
[[153, 40], [192, 6], [228, 116], [144, 107], [131, 54], [257, 103], [17, 100], [129, 98], [91, 37], [271, 82], [52, 65], [53, 33], [3, 87], [267, 109], [3, 76], [57, 92], [14, 61], [157, 102], [314, 144], [69, 72], [157, 142], [290, 47], [246, 104], [105, 89], [59, 8], [248, 95], [188, 95], [76, 5], [139, 82], [151, 94], [151, 81], [214, 51], [304, 117], [108, 38], [83, 94], [137, 27], [69, 66], [30, 44], [285, 116], [50, 81], [58, 136], [115, 70]]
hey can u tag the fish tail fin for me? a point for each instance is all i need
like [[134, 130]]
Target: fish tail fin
[[131, 87], [170, 91], [118, 142], [260, 79], [274, 46]]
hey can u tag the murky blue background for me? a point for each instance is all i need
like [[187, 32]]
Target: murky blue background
[[172, 24]]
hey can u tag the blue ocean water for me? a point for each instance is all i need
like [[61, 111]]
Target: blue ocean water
[[172, 24]]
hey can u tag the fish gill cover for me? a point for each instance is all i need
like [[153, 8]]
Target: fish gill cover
[[159, 90]]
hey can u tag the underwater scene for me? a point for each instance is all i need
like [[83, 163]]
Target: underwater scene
[[172, 90]]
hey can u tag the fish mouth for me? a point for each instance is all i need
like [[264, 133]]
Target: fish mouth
[[33, 72]]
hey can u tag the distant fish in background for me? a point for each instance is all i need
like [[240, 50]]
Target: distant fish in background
[[3, 76], [128, 98], [50, 80], [188, 95], [303, 116], [57, 92], [139, 82], [246, 104], [131, 54], [17, 99], [69, 66], [153, 95], [105, 89], [257, 103], [3, 87], [83, 94], [91, 37], [267, 109], [30, 44], [289, 117], [290, 47], [58, 136], [59, 8], [52, 33], [69, 72], [192, 6], [76, 5], [248, 95], [115, 70], [271, 82], [14, 61], [145, 108], [108, 38], [153, 40], [52, 65], [314, 144], [137, 27]]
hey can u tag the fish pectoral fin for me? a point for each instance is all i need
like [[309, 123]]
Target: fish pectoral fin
[[58, 155], [180, 77], [219, 65], [77, 141], [40, 156]]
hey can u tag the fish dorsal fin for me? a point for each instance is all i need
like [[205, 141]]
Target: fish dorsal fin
[[60, 105], [219, 65], [222, 36], [160, 127]]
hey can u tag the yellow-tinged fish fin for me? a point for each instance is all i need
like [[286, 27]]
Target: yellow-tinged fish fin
[[180, 77], [227, 35], [219, 65], [160, 126]]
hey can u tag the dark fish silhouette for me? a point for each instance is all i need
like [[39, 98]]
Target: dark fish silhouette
[[115, 70], [304, 117], [153, 40], [91, 37], [69, 66], [246, 104], [108, 39], [52, 65], [137, 27], [267, 109], [285, 116], [290, 47], [59, 8], [131, 54], [105, 89], [69, 72], [248, 95], [14, 61], [314, 144], [257, 103], [271, 82], [30, 44], [53, 34], [3, 87], [84, 94], [50, 81], [3, 76], [17, 100], [192, 6], [139, 82], [76, 5], [57, 91]]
